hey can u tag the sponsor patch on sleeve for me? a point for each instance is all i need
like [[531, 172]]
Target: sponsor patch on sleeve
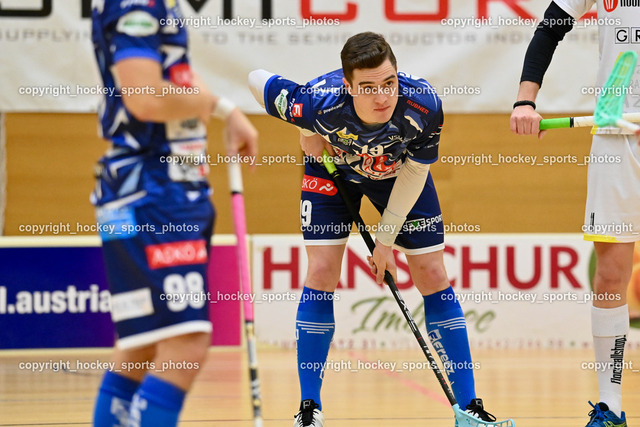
[[138, 23]]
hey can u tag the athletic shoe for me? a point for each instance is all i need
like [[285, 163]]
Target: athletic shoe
[[309, 415], [476, 409], [601, 416]]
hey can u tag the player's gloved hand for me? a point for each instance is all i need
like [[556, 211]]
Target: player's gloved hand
[[382, 260], [526, 121], [240, 136], [314, 144]]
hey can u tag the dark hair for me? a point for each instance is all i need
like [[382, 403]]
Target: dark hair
[[365, 50]]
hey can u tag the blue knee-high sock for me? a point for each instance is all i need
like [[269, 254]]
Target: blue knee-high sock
[[157, 403], [113, 401], [447, 330], [314, 331]]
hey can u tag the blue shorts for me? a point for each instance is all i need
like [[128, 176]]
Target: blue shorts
[[156, 258], [325, 220]]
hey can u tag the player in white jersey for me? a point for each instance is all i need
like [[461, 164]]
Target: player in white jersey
[[613, 191]]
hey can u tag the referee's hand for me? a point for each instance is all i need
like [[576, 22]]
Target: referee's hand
[[526, 121]]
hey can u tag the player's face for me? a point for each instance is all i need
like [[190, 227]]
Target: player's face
[[375, 92]]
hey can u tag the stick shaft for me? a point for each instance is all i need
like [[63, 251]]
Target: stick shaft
[[240, 226], [576, 122], [355, 215]]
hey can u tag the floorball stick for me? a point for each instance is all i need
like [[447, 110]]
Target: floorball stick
[[608, 110], [463, 419], [578, 122], [240, 226]]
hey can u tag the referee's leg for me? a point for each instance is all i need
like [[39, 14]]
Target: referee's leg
[[610, 317]]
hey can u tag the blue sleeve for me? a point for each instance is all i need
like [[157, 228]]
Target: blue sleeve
[[290, 102], [424, 149], [135, 31]]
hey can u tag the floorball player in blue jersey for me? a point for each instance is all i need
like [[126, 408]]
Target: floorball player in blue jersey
[[152, 187], [384, 128]]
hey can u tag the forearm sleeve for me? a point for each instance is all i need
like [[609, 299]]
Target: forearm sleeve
[[550, 32], [406, 190]]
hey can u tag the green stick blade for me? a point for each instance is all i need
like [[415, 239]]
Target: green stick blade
[[611, 102]]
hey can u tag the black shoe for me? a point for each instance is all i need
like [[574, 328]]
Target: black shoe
[[476, 408], [309, 415]]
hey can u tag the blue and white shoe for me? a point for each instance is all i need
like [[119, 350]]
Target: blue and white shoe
[[601, 416]]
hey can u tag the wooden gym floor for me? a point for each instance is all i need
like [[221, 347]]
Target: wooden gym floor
[[534, 387]]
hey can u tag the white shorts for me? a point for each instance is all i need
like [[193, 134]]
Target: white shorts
[[613, 190]]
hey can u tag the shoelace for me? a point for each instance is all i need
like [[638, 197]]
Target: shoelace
[[479, 412], [307, 414], [596, 413]]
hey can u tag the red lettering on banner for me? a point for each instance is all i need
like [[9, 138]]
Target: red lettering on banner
[[269, 267], [186, 252], [390, 12], [557, 269], [355, 262], [511, 265], [483, 8], [402, 266], [491, 266], [349, 15], [314, 184]]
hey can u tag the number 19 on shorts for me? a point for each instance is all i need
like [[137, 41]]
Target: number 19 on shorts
[[305, 213]]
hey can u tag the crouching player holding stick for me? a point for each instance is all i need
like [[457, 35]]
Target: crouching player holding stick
[[156, 258], [384, 128]]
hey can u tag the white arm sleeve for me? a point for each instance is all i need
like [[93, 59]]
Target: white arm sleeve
[[257, 81], [406, 190], [575, 8]]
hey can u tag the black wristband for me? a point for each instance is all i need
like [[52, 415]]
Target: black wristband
[[519, 103]]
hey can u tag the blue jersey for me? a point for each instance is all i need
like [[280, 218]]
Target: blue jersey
[[147, 160], [324, 106]]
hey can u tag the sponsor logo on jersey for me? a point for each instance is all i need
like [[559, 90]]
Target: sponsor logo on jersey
[[421, 224], [626, 35], [186, 252], [414, 225], [281, 103], [611, 5], [418, 107], [131, 305], [328, 110], [346, 138], [138, 24], [313, 184], [128, 3], [296, 110]]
